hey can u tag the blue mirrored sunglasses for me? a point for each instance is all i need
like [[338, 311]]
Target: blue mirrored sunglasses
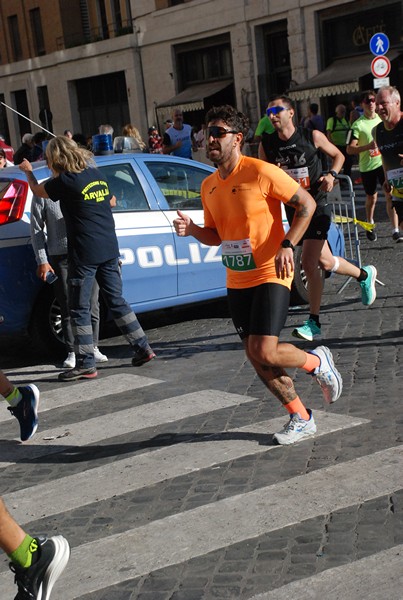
[[274, 110]]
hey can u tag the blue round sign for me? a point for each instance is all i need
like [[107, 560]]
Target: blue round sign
[[379, 44]]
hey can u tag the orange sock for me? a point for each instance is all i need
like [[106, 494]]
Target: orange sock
[[312, 361], [296, 406]]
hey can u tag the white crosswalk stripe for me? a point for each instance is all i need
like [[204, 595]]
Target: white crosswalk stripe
[[82, 392], [180, 537], [184, 536], [366, 579], [121, 422], [81, 489]]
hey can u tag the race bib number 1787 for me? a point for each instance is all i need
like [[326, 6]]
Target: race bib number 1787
[[237, 255]]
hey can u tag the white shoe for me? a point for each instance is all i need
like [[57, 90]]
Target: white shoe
[[327, 375], [296, 429], [70, 361], [99, 357]]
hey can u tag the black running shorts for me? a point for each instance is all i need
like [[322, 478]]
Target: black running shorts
[[260, 310], [370, 179]]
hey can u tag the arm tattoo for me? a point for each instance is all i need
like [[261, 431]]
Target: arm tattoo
[[300, 209]]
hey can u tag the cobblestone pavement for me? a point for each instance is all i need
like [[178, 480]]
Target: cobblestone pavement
[[167, 485]]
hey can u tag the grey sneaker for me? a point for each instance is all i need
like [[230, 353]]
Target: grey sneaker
[[296, 430], [368, 290], [308, 331], [78, 373], [397, 236], [142, 356], [327, 375]]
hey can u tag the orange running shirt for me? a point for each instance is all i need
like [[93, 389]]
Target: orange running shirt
[[245, 209]]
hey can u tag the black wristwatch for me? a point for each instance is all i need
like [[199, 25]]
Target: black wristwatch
[[287, 244], [333, 174]]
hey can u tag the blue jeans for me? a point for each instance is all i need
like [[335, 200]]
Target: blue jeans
[[81, 282]]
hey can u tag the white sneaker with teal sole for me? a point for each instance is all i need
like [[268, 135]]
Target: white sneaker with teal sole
[[296, 430], [327, 375], [308, 331], [368, 290]]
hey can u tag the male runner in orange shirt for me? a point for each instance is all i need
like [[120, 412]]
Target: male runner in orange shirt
[[242, 212]]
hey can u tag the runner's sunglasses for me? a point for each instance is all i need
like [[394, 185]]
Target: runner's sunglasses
[[218, 132], [274, 110]]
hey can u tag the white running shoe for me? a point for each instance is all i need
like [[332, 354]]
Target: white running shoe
[[99, 357], [327, 375], [70, 361], [296, 429]]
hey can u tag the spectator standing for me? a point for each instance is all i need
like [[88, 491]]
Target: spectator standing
[[68, 133], [93, 250], [80, 139], [37, 150], [154, 141], [3, 159], [178, 139], [49, 242], [106, 130], [37, 562], [356, 110], [264, 126], [242, 212], [131, 131], [168, 123], [388, 136], [25, 150], [200, 137], [314, 121], [299, 152], [362, 144], [337, 128]]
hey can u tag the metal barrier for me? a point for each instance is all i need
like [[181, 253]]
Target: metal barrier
[[344, 215]]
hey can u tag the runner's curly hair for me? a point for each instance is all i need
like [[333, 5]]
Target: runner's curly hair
[[64, 155], [231, 117]]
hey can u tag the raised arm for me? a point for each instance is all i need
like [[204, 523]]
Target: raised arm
[[38, 189]]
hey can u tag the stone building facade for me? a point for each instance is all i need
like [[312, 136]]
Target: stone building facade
[[78, 63]]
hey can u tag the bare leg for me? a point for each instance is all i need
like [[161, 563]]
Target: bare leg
[[6, 387], [392, 214], [327, 262], [262, 352], [11, 534], [370, 203], [311, 252]]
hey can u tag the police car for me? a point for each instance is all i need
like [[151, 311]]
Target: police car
[[159, 269]]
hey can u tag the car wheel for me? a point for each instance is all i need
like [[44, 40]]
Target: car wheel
[[46, 324], [299, 288]]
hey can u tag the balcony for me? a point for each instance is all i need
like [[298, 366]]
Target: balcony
[[96, 34]]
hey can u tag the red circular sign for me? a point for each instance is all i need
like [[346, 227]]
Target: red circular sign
[[380, 66]]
